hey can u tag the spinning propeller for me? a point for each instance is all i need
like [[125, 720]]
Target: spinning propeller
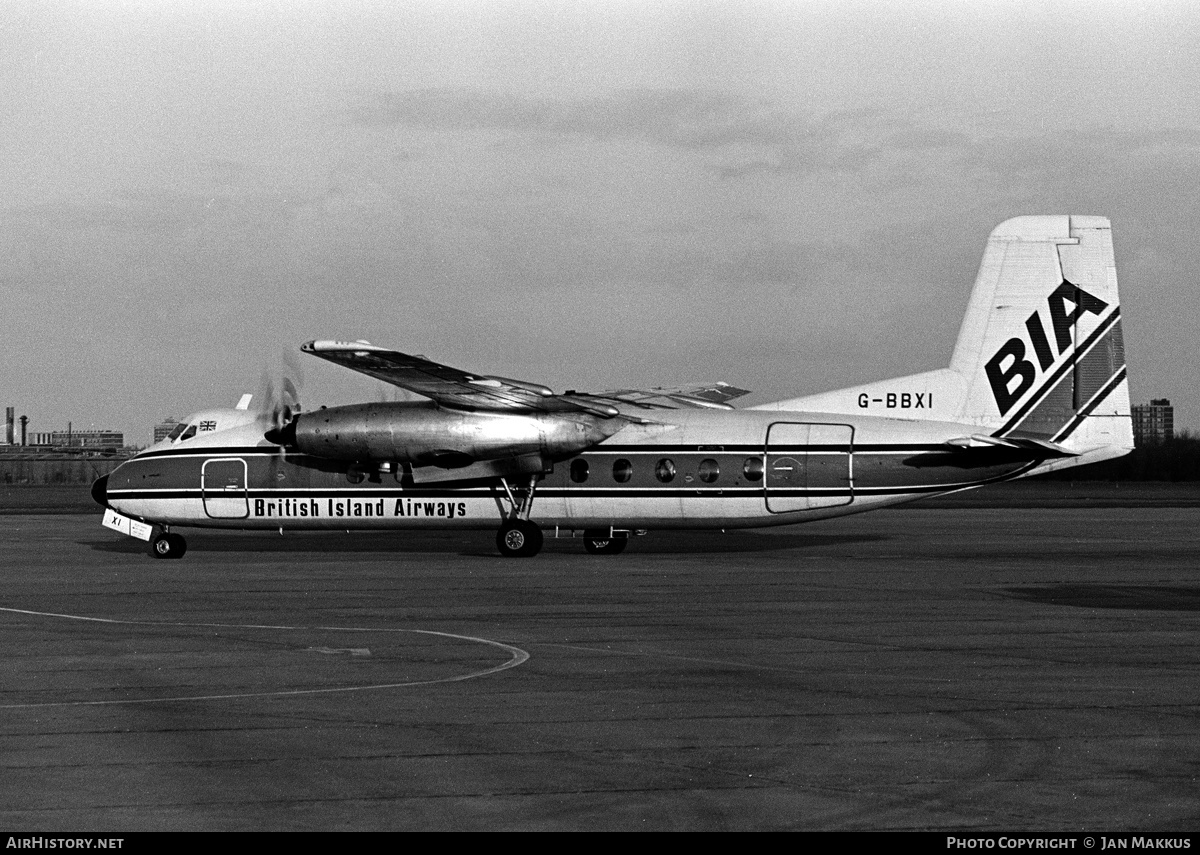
[[281, 402]]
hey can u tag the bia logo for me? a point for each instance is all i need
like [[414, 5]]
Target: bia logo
[[1020, 369]]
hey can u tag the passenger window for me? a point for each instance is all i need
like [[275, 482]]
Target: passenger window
[[709, 470], [665, 470], [753, 469], [622, 471], [579, 470], [188, 434]]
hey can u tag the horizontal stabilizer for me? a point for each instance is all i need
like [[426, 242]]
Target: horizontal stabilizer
[[978, 451], [1038, 449]]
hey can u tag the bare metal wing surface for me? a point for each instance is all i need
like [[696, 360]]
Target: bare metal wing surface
[[457, 388], [714, 396]]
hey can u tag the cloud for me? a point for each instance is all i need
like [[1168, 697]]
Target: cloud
[[1093, 154], [158, 211], [746, 135], [738, 136], [921, 138], [687, 118]]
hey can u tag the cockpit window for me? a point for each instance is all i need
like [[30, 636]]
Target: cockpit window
[[174, 434], [188, 434]]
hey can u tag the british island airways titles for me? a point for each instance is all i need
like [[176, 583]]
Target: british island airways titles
[[334, 508]]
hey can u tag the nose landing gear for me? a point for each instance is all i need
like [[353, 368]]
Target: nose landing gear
[[167, 544]]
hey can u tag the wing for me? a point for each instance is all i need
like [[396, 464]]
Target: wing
[[708, 395], [450, 386], [457, 388]]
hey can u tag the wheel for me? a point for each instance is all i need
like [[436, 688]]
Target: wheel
[[604, 544], [165, 545], [519, 539]]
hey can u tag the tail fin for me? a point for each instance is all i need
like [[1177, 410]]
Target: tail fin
[[1039, 354]]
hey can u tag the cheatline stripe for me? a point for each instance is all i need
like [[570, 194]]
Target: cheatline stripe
[[1052, 380], [728, 448], [232, 451], [1096, 401], [673, 494], [882, 448]]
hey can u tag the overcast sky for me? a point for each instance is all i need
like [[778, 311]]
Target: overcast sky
[[792, 197]]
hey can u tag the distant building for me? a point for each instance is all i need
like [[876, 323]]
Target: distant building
[[1153, 423], [162, 431], [80, 438]]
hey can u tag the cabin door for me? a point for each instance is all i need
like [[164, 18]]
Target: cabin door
[[223, 484], [809, 466]]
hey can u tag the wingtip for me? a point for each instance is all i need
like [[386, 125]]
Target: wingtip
[[332, 346]]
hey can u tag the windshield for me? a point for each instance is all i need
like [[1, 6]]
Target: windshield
[[174, 435]]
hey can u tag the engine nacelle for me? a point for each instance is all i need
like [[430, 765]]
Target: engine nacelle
[[425, 434]]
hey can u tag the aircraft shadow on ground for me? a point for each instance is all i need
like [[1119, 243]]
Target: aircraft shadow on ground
[[480, 543], [734, 542], [1175, 598]]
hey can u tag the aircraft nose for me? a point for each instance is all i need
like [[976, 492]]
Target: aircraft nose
[[100, 491]]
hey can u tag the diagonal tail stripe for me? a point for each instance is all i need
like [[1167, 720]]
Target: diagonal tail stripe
[[1054, 388], [1096, 401]]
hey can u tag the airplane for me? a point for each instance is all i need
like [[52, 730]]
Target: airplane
[[1037, 382]]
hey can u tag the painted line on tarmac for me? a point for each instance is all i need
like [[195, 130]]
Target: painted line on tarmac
[[662, 654], [517, 657]]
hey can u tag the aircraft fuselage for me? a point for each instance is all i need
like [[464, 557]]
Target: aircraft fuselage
[[708, 469]]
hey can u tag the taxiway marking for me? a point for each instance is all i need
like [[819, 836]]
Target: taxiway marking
[[517, 657]]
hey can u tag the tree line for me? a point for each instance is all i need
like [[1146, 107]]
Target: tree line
[[1175, 460]]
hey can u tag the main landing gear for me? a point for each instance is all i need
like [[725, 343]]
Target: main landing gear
[[604, 543], [522, 538], [166, 544], [519, 537]]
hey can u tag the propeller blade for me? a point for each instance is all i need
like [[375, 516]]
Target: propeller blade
[[281, 401]]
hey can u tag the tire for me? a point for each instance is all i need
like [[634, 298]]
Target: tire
[[168, 545], [519, 539]]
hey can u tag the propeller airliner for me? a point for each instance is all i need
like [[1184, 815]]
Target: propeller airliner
[[1037, 382]]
